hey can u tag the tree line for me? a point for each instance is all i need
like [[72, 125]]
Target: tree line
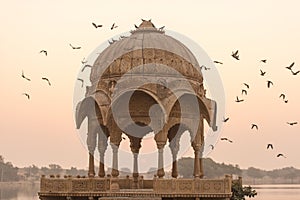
[[212, 170], [8, 172], [251, 175]]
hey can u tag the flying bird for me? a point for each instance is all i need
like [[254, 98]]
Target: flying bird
[[44, 51], [269, 83], [227, 139], [295, 73], [270, 146], [247, 85], [244, 92], [113, 26], [97, 26], [254, 126], [262, 73], [46, 79], [225, 119], [81, 80], [264, 61], [236, 55], [292, 123], [218, 62], [290, 67], [23, 76], [161, 28], [84, 61], [282, 95], [73, 47], [27, 95], [238, 100], [204, 67], [85, 66], [280, 155]]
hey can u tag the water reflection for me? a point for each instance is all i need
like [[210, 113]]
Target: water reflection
[[19, 191]]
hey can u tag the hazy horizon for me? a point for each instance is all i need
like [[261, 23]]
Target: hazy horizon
[[42, 130]]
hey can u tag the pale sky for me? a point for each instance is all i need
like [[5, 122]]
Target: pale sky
[[42, 131]]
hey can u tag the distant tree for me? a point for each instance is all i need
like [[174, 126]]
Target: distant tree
[[255, 173], [239, 192], [73, 171], [55, 169], [7, 171], [45, 171], [152, 170], [125, 170], [34, 169], [289, 173]]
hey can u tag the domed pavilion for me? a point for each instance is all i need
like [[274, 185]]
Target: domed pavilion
[[142, 83]]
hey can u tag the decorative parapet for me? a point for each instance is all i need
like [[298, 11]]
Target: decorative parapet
[[74, 184], [193, 186], [158, 187]]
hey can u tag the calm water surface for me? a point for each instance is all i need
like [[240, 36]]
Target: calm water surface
[[265, 192], [277, 192]]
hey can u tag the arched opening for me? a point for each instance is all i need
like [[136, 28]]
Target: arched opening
[[135, 113]]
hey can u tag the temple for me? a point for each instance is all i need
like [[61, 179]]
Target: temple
[[146, 82]]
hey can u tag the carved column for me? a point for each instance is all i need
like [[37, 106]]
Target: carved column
[[196, 148], [115, 169], [115, 139], [160, 168], [174, 146], [135, 145], [201, 159], [201, 133], [91, 143], [102, 146]]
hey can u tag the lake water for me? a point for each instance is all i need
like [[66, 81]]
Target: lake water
[[265, 192], [277, 192]]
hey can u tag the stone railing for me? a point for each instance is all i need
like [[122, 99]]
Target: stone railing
[[74, 184], [156, 186], [193, 186]]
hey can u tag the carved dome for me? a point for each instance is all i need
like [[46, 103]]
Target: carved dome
[[145, 45]]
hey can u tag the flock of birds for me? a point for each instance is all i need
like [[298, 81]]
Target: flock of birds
[[234, 55], [45, 52], [28, 79], [269, 84]]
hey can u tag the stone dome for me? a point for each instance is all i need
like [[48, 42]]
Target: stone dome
[[145, 45]]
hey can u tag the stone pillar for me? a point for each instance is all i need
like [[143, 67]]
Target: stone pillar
[[174, 146], [91, 143], [201, 160], [135, 174], [115, 169], [160, 167], [196, 148], [135, 145], [102, 146]]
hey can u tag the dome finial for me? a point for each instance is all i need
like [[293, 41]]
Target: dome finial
[[146, 24]]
